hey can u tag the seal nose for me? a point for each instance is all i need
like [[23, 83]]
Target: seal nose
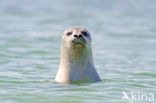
[[78, 35]]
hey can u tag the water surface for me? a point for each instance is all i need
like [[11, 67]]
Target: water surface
[[123, 40]]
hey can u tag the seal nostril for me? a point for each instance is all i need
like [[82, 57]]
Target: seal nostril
[[80, 35], [75, 36]]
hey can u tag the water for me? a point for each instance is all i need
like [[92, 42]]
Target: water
[[124, 48]]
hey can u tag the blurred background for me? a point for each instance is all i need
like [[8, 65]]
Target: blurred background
[[123, 40]]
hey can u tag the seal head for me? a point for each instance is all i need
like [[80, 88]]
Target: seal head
[[76, 60]]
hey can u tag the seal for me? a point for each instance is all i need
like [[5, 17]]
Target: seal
[[76, 60]]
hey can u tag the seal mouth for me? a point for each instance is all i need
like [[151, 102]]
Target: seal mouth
[[78, 44]]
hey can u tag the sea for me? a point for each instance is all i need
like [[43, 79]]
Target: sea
[[123, 43]]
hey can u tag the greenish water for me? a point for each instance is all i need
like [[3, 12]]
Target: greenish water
[[124, 49]]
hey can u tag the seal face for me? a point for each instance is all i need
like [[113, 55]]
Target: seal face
[[76, 60]]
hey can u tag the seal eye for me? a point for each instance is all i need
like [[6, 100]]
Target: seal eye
[[69, 33], [84, 33]]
